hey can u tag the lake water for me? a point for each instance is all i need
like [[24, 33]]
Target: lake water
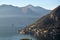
[[9, 33], [16, 37]]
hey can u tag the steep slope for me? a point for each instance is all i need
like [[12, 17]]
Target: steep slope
[[49, 20]]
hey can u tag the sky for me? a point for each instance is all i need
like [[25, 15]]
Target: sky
[[47, 4]]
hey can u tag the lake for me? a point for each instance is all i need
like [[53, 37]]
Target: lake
[[9, 31], [16, 37]]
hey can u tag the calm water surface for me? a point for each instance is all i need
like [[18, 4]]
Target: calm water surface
[[16, 37]]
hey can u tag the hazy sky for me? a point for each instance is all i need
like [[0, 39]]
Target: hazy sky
[[48, 4]]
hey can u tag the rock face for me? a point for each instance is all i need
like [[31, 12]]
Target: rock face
[[47, 27]]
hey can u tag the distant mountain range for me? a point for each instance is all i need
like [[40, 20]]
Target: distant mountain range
[[28, 13], [27, 10]]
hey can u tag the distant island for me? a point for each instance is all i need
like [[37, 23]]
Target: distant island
[[46, 28]]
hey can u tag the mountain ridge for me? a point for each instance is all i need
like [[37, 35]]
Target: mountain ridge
[[20, 10]]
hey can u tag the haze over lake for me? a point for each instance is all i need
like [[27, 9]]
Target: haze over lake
[[14, 18]]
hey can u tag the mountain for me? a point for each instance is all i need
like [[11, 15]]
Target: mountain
[[46, 26], [27, 10], [35, 11], [19, 16], [49, 20]]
